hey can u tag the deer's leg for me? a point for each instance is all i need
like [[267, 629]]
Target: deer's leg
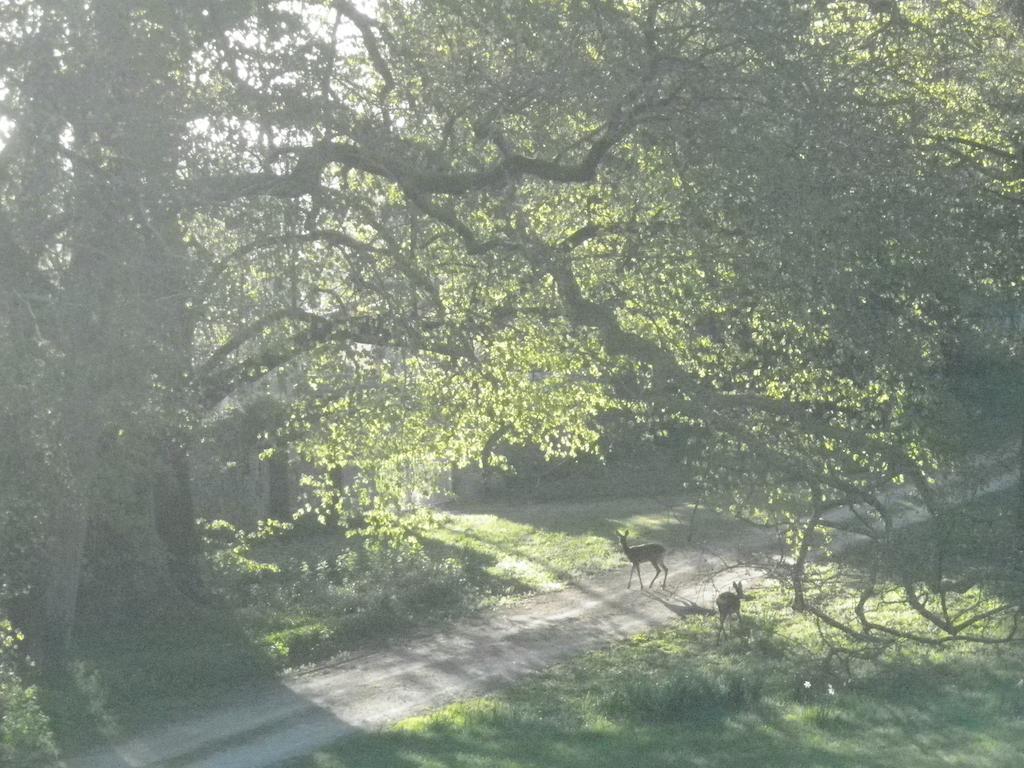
[[630, 583], [654, 578], [664, 579]]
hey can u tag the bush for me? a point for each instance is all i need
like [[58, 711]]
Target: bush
[[299, 644], [303, 594], [697, 693], [25, 737]]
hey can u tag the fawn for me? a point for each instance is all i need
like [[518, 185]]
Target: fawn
[[728, 604], [644, 553]]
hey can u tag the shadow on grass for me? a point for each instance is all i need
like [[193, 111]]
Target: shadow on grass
[[551, 557], [264, 724], [127, 672], [479, 558]]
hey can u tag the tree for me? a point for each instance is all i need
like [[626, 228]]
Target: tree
[[84, 182], [468, 225]]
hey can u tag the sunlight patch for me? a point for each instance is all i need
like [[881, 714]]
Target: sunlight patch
[[525, 571]]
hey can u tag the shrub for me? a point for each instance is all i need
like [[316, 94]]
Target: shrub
[[299, 644], [688, 693], [25, 737]]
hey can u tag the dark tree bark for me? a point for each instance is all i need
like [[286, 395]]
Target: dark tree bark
[[279, 498], [1020, 500], [174, 517]]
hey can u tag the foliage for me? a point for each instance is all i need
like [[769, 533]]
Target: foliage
[[766, 231], [25, 738]]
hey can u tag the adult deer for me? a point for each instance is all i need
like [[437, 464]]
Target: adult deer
[[728, 604], [644, 553]]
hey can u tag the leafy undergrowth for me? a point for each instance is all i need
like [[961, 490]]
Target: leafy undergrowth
[[763, 697], [25, 737]]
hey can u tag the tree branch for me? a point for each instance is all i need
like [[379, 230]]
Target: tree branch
[[319, 329], [365, 25]]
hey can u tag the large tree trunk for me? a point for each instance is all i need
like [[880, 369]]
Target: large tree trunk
[[1020, 499], [174, 516], [60, 598], [85, 379], [279, 492], [24, 470]]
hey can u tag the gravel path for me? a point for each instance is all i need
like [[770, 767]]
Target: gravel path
[[263, 726], [304, 712]]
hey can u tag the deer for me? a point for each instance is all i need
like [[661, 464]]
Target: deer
[[728, 604], [644, 553]]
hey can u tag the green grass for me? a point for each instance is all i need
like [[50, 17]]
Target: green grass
[[148, 668], [760, 699], [535, 547], [317, 593]]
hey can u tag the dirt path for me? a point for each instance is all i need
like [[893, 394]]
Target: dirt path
[[301, 713], [304, 712]]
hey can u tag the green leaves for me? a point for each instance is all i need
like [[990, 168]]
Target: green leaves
[[460, 228]]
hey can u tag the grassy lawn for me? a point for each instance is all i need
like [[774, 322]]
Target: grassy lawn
[[535, 547], [760, 699]]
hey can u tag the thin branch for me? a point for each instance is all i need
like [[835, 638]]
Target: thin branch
[[221, 264], [988, 148], [216, 381], [365, 24]]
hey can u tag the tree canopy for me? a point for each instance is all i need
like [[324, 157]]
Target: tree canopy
[[770, 232]]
